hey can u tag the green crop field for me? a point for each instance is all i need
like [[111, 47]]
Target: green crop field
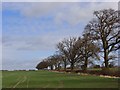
[[47, 79]]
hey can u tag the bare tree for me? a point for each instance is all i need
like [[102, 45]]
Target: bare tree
[[88, 50], [64, 59], [104, 29], [51, 62], [57, 59], [70, 49]]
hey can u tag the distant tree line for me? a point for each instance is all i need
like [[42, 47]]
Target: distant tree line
[[100, 36]]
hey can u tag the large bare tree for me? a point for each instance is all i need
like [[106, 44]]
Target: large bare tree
[[105, 29]]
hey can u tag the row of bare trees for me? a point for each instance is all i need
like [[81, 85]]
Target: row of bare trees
[[101, 36]]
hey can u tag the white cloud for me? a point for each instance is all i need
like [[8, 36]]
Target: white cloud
[[77, 13], [39, 9], [38, 43], [33, 8], [73, 13]]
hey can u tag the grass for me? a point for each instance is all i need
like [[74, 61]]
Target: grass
[[47, 79], [0, 79]]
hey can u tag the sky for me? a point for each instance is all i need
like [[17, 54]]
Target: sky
[[31, 30]]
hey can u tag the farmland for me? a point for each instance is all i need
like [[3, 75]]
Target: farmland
[[48, 79]]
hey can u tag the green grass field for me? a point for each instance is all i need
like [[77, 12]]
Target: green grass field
[[47, 79]]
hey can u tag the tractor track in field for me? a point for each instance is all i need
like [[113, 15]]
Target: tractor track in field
[[20, 81]]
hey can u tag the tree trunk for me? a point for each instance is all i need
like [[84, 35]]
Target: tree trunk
[[105, 54], [106, 59], [106, 68], [58, 66], [65, 65], [72, 66], [55, 66], [86, 63], [51, 67], [105, 45]]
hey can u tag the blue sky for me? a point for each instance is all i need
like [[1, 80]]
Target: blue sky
[[30, 31]]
